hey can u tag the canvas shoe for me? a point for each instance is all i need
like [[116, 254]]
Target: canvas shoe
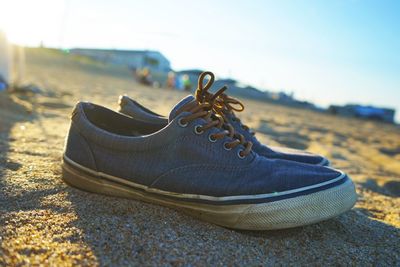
[[225, 106], [200, 166]]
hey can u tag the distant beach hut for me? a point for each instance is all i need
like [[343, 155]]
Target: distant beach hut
[[5, 61], [12, 63]]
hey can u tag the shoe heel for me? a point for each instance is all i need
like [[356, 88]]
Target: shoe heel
[[83, 181]]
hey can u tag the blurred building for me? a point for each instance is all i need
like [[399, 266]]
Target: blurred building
[[134, 59], [234, 87], [366, 112], [240, 90], [237, 89]]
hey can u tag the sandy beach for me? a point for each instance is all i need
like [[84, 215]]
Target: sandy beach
[[43, 220]]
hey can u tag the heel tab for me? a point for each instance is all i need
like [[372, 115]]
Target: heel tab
[[79, 106], [123, 100]]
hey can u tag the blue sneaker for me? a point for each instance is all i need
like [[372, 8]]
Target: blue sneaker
[[198, 165], [225, 106]]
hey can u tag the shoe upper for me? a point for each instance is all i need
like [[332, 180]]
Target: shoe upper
[[275, 152], [177, 158], [133, 109]]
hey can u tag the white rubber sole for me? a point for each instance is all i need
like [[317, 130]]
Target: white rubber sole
[[287, 213]]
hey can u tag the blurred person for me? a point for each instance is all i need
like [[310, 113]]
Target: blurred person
[[178, 82], [171, 80], [187, 85], [145, 77], [134, 71]]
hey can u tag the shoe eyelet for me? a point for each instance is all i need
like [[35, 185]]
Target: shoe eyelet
[[212, 139], [227, 148], [239, 153], [197, 129], [180, 123]]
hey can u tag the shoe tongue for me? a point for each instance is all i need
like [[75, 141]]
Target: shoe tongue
[[180, 104]]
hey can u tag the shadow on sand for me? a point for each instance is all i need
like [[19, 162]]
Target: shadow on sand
[[390, 188], [128, 231], [12, 112]]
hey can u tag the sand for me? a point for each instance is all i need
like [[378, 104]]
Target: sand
[[44, 221]]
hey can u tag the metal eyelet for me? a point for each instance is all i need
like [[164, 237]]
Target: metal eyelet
[[197, 129], [239, 153], [226, 148], [212, 139], [180, 123]]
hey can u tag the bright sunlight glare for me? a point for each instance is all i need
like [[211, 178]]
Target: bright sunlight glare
[[30, 22]]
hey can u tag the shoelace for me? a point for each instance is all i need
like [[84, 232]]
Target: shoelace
[[203, 108], [223, 104]]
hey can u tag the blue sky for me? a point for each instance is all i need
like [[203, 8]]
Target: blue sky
[[338, 51]]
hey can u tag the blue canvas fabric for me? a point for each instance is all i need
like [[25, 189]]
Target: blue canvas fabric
[[135, 110], [176, 159]]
